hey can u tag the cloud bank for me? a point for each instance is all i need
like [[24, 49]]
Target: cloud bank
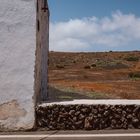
[[89, 34]]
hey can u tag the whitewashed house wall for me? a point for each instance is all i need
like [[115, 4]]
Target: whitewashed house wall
[[23, 64]]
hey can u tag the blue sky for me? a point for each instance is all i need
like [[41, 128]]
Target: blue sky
[[111, 25]]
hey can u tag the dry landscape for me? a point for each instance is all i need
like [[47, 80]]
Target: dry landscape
[[101, 75]]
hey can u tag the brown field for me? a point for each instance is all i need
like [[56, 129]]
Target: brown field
[[102, 75]]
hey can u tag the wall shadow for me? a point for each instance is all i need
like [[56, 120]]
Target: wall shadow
[[57, 95]]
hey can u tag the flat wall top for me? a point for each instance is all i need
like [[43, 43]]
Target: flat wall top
[[94, 102]]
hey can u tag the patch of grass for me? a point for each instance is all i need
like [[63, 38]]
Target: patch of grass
[[96, 95], [131, 58], [70, 93], [65, 97], [112, 64], [90, 95]]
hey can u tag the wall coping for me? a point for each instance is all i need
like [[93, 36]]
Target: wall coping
[[93, 102]]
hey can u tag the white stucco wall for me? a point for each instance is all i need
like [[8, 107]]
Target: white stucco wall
[[17, 61]]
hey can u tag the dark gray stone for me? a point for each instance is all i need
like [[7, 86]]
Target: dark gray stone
[[88, 117]]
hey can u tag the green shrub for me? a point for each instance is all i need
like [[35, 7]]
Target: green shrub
[[87, 67], [59, 66], [134, 74], [93, 65]]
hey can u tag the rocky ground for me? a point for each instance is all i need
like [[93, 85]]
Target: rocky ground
[[102, 75]]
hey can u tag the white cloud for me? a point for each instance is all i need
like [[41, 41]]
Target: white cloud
[[87, 33]]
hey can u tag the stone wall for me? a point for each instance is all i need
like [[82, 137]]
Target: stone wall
[[88, 117]]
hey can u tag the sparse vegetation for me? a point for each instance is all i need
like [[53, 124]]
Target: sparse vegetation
[[93, 65], [131, 58], [60, 66], [134, 75], [97, 95], [87, 67], [94, 75], [70, 93], [65, 97], [112, 64]]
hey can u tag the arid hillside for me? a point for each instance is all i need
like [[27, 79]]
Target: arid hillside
[[102, 75]]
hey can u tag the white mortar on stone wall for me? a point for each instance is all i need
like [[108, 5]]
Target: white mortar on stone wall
[[93, 102]]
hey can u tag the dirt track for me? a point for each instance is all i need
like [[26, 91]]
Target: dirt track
[[106, 75]]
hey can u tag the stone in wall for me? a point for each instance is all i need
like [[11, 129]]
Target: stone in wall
[[17, 62]]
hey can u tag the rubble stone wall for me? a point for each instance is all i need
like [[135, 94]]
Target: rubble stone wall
[[88, 117]]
